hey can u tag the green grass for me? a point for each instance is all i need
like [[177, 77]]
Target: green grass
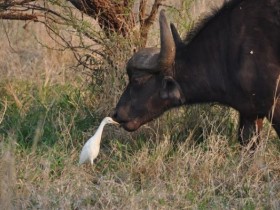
[[192, 161], [187, 159], [44, 114]]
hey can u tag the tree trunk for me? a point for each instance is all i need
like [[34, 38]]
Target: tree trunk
[[113, 17]]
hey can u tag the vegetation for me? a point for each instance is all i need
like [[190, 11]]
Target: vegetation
[[188, 159]]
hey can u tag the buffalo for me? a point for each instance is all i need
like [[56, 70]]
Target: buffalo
[[231, 58]]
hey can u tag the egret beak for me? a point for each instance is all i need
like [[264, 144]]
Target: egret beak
[[114, 120], [115, 123]]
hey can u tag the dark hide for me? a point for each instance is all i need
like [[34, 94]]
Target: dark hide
[[232, 58]]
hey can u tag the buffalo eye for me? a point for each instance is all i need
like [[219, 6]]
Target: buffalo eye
[[140, 79]]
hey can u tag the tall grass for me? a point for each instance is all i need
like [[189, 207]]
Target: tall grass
[[187, 159]]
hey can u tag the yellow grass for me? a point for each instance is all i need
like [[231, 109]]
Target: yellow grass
[[48, 111]]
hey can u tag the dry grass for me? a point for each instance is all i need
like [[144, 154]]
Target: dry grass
[[162, 175], [47, 113]]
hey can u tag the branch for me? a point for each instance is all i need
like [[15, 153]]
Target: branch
[[151, 18], [145, 24], [142, 11], [4, 5], [18, 16]]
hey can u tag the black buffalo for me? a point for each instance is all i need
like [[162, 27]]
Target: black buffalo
[[232, 58]]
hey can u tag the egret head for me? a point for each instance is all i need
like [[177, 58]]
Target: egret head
[[109, 120]]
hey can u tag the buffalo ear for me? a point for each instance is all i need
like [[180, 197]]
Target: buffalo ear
[[171, 90]]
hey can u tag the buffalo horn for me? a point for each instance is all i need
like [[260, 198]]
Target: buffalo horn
[[154, 59], [167, 50], [176, 36]]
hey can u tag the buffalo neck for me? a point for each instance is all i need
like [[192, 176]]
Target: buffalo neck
[[201, 65]]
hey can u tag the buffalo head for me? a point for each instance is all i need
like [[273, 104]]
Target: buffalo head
[[152, 88]]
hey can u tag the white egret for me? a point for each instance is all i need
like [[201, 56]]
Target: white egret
[[92, 146]]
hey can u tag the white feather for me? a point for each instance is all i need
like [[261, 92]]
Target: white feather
[[91, 149]]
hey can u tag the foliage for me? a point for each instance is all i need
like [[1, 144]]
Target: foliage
[[155, 168], [91, 29], [187, 159]]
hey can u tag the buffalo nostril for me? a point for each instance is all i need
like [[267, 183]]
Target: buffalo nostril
[[118, 117]]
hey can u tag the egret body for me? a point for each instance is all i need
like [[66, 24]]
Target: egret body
[[92, 146]]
